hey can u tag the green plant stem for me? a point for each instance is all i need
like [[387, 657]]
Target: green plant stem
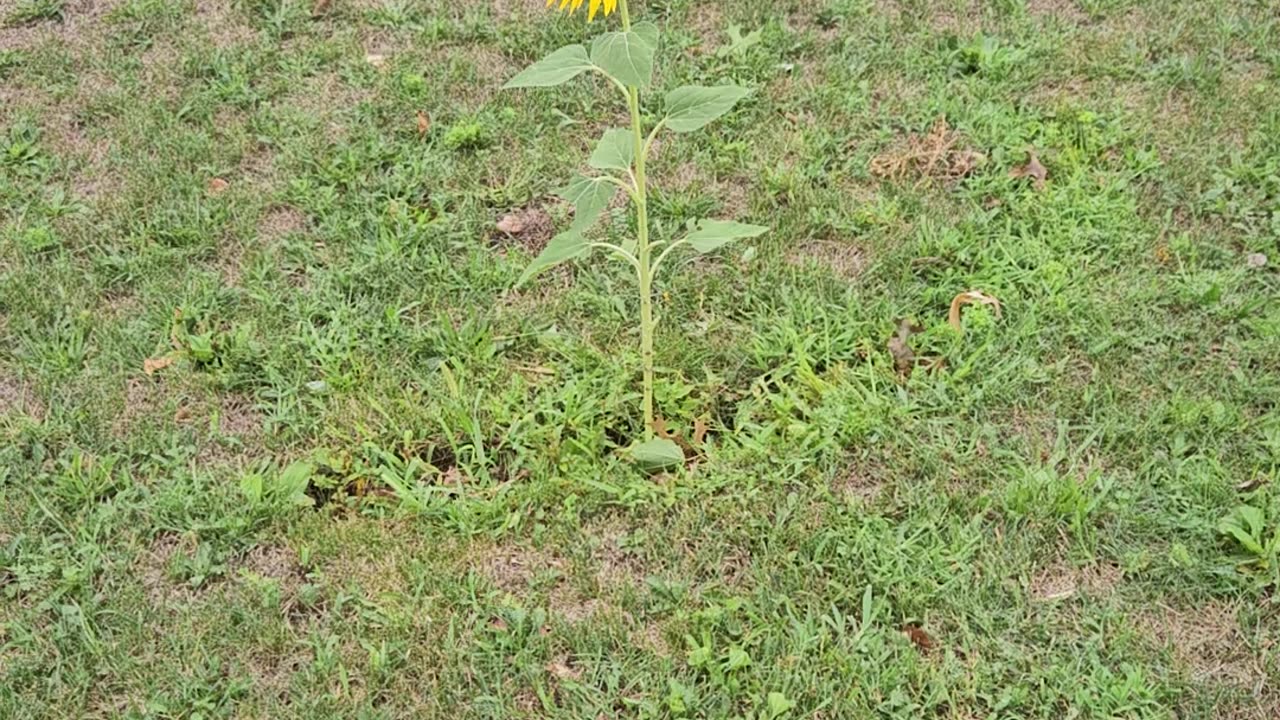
[[643, 266]]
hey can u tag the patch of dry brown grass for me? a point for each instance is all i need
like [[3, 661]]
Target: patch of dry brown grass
[[1061, 580], [1066, 10], [844, 260], [1208, 642], [938, 155]]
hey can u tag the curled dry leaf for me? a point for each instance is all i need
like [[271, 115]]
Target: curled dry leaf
[[217, 186], [151, 365], [1255, 260], [965, 298], [532, 227], [512, 224], [1033, 169], [904, 358], [563, 670], [1252, 483], [424, 123]]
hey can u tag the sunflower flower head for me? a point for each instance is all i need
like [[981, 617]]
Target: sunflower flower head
[[593, 7]]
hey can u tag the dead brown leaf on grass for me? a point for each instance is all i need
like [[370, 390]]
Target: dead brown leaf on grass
[[532, 227], [151, 365], [699, 431], [937, 155], [424, 123], [922, 640], [966, 298], [217, 186], [1033, 169], [1162, 254], [660, 429]]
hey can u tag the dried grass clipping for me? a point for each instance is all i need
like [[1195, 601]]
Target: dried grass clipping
[[937, 155]]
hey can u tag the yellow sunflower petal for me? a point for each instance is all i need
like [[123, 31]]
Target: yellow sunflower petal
[[592, 9], [563, 4]]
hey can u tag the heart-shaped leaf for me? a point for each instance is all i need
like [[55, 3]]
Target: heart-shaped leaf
[[559, 67], [627, 56], [692, 106], [615, 151], [657, 454], [589, 196], [565, 246], [711, 234]]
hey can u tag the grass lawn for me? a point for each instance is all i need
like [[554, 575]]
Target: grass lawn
[[280, 438]]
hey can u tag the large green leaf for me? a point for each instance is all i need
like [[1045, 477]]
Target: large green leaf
[[559, 67], [657, 454], [589, 196], [648, 33], [293, 482], [627, 56], [565, 246], [615, 151], [1246, 524], [692, 106], [711, 234]]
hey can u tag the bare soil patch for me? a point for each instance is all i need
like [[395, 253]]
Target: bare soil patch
[[862, 480], [154, 569], [16, 397], [143, 401], [518, 571], [280, 221]]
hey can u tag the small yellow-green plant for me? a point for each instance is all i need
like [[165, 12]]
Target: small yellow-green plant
[[625, 58]]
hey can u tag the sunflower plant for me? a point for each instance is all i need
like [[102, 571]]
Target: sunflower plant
[[625, 58]]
